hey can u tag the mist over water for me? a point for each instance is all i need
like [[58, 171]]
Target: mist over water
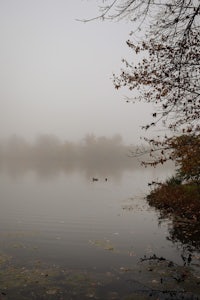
[[47, 156], [47, 186], [53, 212]]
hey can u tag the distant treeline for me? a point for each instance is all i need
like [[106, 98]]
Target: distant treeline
[[49, 147], [95, 155]]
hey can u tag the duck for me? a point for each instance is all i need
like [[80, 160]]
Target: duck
[[95, 179]]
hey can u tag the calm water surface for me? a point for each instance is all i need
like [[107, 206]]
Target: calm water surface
[[69, 220]]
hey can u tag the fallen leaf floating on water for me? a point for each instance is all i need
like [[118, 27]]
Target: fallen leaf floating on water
[[51, 292]]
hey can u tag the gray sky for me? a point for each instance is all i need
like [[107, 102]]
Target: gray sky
[[56, 72]]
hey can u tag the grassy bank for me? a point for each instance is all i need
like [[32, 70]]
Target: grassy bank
[[181, 199]]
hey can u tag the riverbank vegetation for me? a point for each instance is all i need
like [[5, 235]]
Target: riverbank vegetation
[[182, 199], [180, 194]]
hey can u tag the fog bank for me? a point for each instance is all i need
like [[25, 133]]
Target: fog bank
[[47, 154]]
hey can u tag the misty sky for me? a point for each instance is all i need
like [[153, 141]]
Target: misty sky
[[56, 72]]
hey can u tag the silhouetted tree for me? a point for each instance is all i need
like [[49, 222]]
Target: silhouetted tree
[[168, 74], [173, 18]]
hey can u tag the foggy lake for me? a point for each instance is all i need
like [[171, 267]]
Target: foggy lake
[[72, 221], [73, 209], [75, 223], [78, 211]]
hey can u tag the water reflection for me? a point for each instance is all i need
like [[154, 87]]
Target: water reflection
[[96, 157], [186, 233]]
